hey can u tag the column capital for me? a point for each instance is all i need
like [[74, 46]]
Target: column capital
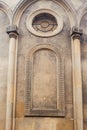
[[12, 31], [76, 33]]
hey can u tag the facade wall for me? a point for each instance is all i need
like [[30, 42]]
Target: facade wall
[[76, 3], [4, 48], [27, 42], [73, 13]]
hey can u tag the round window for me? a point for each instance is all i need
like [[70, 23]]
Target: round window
[[44, 23]]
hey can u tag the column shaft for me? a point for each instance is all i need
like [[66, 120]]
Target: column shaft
[[11, 77], [77, 82], [10, 84]]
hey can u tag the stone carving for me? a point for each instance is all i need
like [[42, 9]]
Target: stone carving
[[44, 23]]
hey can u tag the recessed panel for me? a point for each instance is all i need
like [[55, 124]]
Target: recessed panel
[[44, 80]]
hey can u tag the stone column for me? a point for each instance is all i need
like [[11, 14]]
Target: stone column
[[77, 79], [12, 31]]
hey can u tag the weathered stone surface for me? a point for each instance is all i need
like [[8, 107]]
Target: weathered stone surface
[[43, 57], [2, 124], [44, 123], [3, 66], [44, 95]]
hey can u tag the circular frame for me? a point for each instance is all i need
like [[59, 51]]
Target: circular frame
[[31, 17]]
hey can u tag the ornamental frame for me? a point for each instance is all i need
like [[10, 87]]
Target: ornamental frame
[[33, 14], [28, 110]]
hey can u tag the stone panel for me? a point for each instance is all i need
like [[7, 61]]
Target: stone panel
[[84, 67], [44, 123], [2, 111], [28, 41], [2, 124], [44, 79], [20, 109], [4, 47]]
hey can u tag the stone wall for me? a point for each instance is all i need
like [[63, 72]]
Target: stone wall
[[76, 3], [73, 13], [4, 48]]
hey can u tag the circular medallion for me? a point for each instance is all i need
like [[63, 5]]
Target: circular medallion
[[44, 23]]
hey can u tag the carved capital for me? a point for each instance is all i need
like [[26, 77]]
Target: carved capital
[[76, 33], [12, 31]]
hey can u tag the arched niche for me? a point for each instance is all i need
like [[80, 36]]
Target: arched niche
[[5, 8], [44, 91], [81, 12], [24, 4], [27, 40]]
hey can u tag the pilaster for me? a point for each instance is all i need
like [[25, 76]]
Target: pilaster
[[77, 79], [13, 33]]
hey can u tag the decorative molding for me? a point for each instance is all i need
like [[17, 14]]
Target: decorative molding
[[5, 8], [12, 31], [36, 12], [29, 111], [24, 4], [76, 33], [81, 12]]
